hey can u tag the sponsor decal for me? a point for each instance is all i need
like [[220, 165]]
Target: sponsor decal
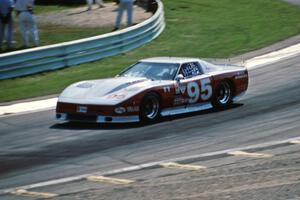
[[117, 96], [182, 88], [133, 109], [135, 82], [82, 109], [241, 76], [177, 90], [178, 100], [120, 110], [167, 89], [85, 85]]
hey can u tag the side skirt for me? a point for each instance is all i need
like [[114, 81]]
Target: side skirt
[[185, 109]]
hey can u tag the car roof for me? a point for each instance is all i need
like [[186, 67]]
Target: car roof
[[177, 60]]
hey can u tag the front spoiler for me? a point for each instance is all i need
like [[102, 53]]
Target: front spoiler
[[98, 119]]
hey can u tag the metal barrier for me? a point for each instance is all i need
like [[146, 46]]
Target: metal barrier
[[47, 58]]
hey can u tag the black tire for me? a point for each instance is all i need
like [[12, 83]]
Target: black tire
[[223, 95], [150, 108]]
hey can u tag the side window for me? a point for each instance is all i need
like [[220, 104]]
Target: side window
[[191, 69]]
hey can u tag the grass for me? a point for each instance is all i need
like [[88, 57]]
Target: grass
[[38, 9], [195, 28], [52, 34]]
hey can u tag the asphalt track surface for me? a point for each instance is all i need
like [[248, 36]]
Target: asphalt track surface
[[33, 148], [295, 2]]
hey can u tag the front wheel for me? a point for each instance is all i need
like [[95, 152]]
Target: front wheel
[[223, 95], [150, 108]]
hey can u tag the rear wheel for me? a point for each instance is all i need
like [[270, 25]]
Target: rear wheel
[[150, 108], [223, 95]]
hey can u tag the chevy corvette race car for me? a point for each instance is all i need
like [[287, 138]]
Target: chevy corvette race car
[[152, 88]]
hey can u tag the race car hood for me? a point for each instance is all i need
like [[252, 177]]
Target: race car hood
[[104, 91]]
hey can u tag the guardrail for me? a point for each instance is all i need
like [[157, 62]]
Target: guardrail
[[47, 58]]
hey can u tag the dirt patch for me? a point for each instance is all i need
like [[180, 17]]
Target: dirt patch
[[97, 17]]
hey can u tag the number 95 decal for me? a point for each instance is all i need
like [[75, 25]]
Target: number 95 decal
[[193, 90]]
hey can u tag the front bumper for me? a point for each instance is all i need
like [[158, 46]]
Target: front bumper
[[96, 118]]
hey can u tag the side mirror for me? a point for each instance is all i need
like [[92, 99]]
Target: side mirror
[[179, 77]]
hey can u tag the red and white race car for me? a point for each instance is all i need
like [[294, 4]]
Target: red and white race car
[[152, 88]]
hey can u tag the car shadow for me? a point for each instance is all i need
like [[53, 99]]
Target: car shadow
[[116, 126], [94, 126], [200, 113]]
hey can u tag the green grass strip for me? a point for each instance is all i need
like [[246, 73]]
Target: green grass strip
[[195, 28]]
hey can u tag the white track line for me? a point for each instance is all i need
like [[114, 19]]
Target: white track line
[[273, 57], [146, 165], [256, 62], [26, 107]]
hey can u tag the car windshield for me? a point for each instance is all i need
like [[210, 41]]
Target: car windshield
[[154, 71]]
